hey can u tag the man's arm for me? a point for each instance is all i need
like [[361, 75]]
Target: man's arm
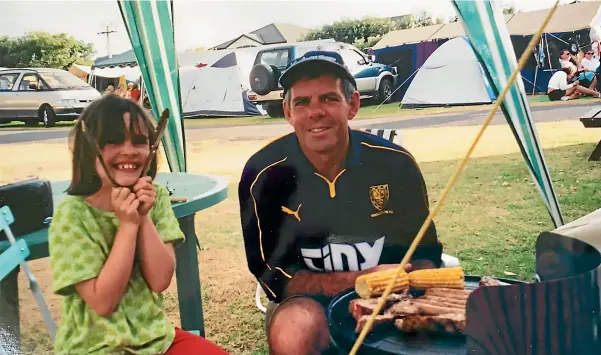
[[329, 283]]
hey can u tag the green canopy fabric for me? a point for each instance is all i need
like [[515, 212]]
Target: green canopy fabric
[[486, 29], [149, 24]]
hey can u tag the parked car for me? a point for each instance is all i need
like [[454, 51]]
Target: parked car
[[42, 95], [374, 80]]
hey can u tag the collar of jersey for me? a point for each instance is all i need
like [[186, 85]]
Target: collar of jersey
[[352, 159]]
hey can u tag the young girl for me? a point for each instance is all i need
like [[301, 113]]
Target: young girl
[[111, 248]]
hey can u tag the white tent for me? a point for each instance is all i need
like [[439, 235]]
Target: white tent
[[217, 87], [451, 75]]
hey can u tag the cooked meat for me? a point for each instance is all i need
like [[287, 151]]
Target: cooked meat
[[444, 300], [490, 281], [380, 319], [402, 308], [432, 309], [360, 307], [449, 293], [452, 323]]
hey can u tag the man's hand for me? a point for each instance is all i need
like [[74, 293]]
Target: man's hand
[[145, 193]]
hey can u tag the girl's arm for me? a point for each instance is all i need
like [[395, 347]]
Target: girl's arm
[[104, 292], [157, 259]]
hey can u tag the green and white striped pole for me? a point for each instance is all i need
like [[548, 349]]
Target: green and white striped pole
[[486, 29], [149, 24]]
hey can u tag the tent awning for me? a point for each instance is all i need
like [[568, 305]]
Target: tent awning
[[567, 18], [410, 35], [127, 58], [454, 29]]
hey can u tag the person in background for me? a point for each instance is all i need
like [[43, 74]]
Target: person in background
[[135, 93], [589, 62], [585, 78], [121, 91], [110, 90], [559, 89]]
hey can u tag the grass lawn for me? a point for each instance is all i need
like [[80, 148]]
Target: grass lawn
[[490, 220]]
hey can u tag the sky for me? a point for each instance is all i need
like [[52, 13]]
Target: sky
[[203, 23]]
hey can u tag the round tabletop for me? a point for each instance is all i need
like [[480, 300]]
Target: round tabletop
[[201, 191]]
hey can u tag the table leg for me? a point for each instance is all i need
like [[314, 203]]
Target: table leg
[[10, 332], [188, 279], [596, 154]]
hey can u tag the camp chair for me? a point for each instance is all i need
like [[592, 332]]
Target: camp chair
[[15, 256], [388, 134]]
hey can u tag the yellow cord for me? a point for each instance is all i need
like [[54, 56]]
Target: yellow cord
[[451, 182]]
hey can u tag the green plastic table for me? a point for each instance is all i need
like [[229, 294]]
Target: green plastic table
[[201, 191]]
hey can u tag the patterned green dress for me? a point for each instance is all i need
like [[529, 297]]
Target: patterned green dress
[[80, 239]]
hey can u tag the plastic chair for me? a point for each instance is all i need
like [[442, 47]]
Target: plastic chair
[[15, 256]]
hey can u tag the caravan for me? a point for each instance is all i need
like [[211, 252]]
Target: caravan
[[452, 75]]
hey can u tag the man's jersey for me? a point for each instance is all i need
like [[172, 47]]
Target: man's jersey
[[294, 219]]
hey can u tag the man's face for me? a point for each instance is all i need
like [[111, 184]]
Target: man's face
[[319, 113], [589, 55], [565, 55]]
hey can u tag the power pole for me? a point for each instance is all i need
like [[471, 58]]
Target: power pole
[[108, 42]]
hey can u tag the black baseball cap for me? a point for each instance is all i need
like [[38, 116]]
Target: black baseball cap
[[327, 61]]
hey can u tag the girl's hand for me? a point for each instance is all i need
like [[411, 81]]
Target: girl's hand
[[125, 205], [145, 193]]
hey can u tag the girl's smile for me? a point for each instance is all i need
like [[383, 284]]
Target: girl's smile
[[125, 159]]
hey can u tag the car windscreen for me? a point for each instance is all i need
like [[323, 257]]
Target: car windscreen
[[63, 80]]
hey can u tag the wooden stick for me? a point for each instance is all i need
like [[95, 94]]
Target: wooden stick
[[366, 329]]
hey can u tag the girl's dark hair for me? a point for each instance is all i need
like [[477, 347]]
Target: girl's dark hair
[[104, 121]]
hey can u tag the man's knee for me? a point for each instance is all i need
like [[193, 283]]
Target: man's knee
[[298, 326]]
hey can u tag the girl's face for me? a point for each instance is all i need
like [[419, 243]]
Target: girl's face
[[125, 158]]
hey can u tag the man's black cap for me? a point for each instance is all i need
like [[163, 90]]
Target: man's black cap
[[326, 61]]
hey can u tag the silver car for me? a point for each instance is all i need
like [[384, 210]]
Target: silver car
[[42, 95]]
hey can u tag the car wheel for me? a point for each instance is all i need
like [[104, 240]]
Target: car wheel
[[274, 109], [385, 90], [47, 115], [263, 79]]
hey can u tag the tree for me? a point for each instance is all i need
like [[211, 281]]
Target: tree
[[368, 31], [508, 10], [41, 49]]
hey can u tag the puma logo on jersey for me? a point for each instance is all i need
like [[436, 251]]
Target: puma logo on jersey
[[291, 212], [333, 256]]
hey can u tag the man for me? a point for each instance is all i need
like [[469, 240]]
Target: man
[[325, 204]]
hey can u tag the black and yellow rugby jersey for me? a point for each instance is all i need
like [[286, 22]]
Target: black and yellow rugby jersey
[[293, 218]]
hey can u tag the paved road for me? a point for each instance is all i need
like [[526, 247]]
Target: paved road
[[262, 131]]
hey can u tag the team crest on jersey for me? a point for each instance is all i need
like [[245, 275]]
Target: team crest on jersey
[[379, 196]]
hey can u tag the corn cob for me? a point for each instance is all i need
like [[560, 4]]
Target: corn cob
[[373, 284], [444, 277]]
